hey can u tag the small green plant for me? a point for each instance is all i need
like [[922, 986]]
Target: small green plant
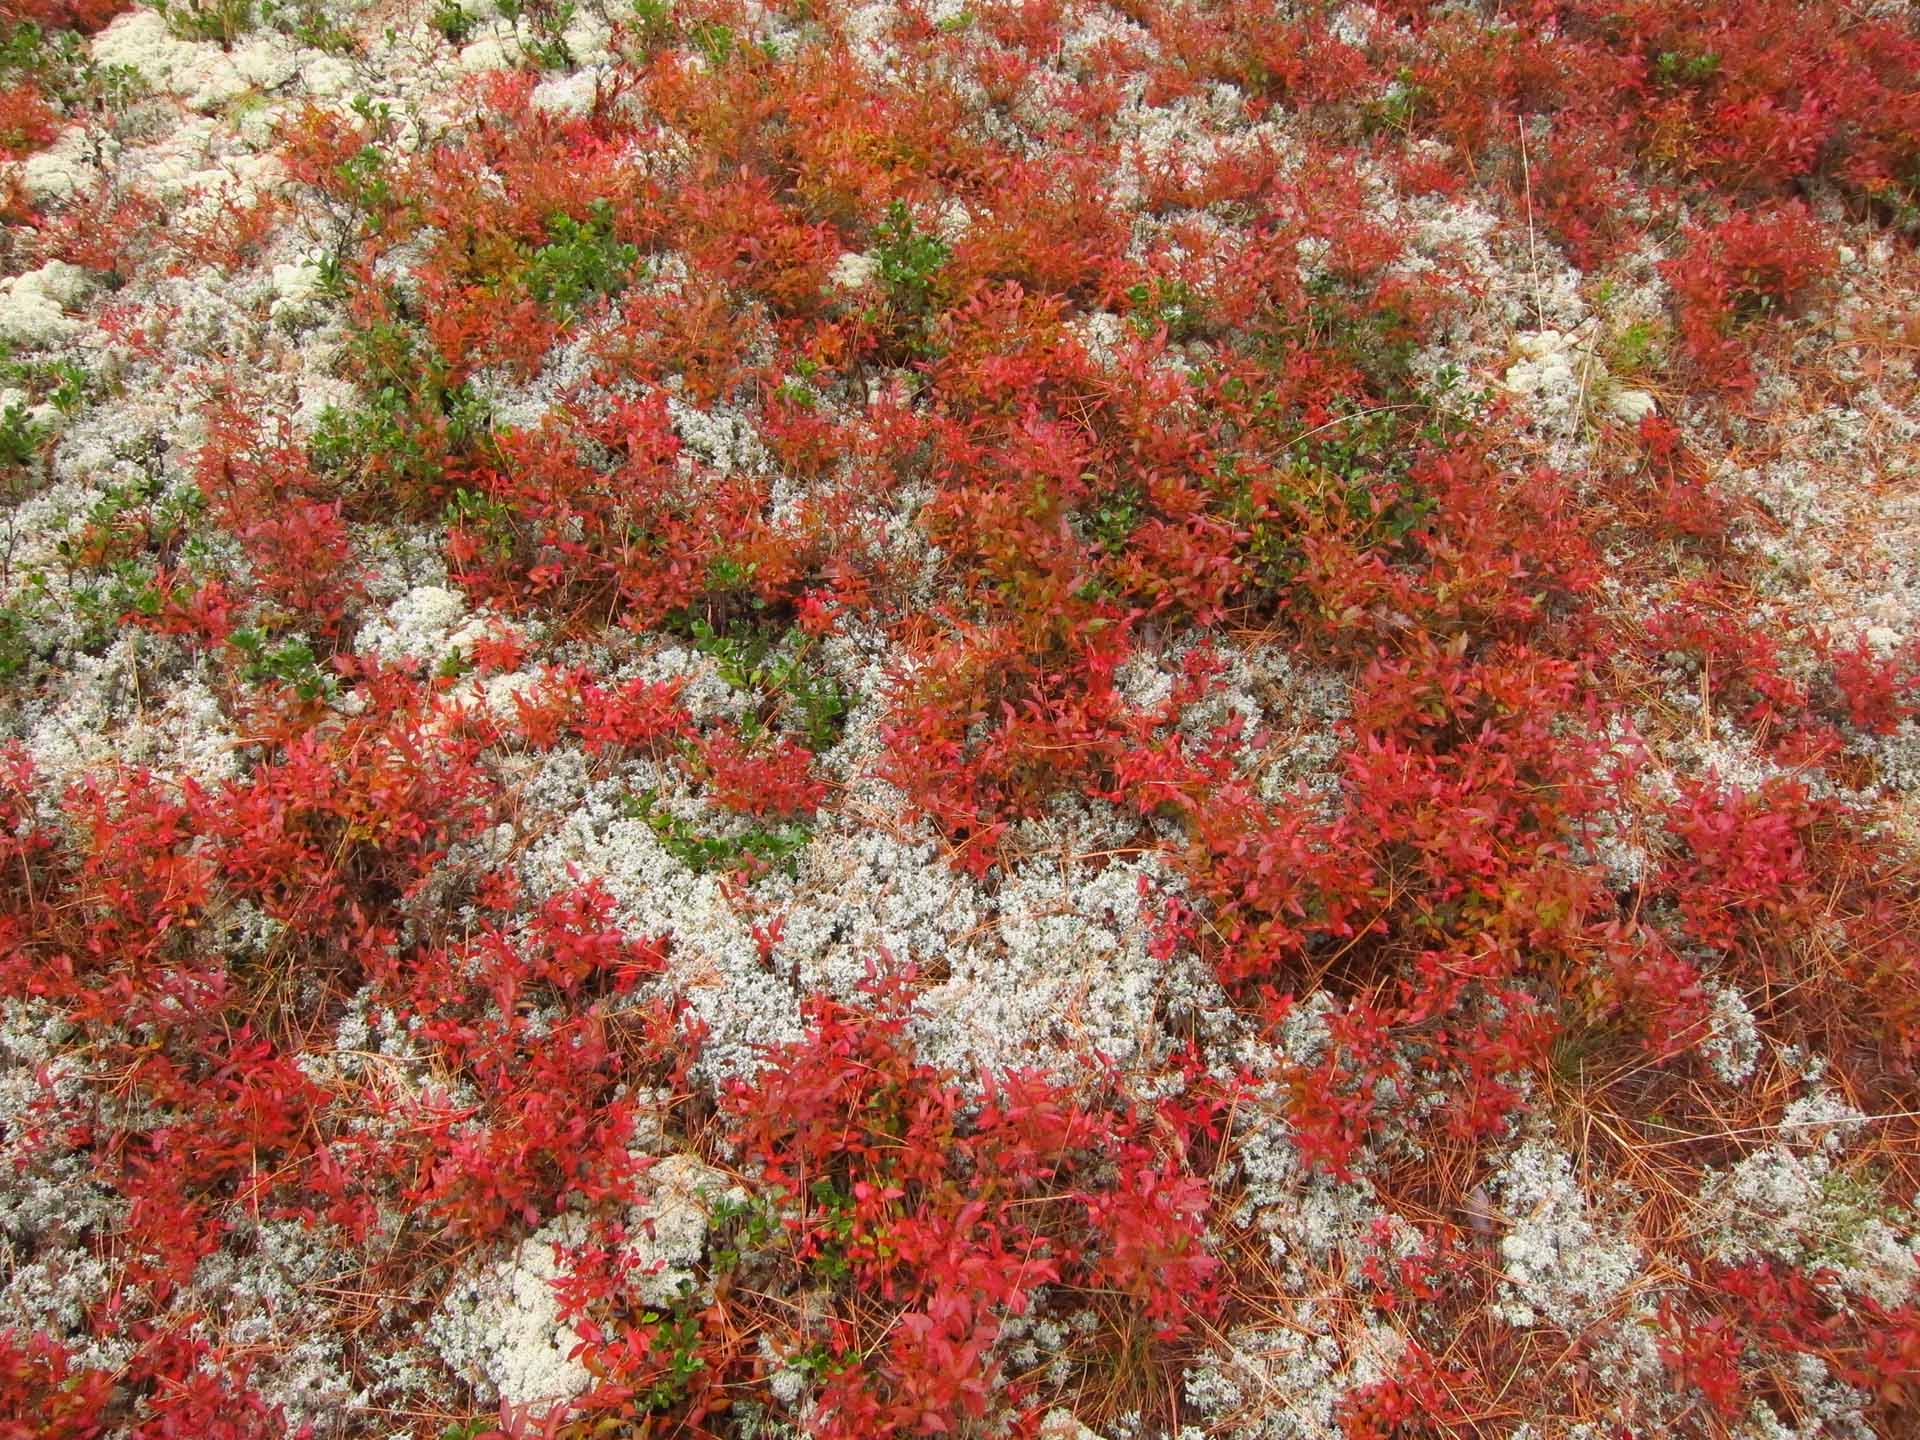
[[652, 24], [102, 605], [1169, 303], [308, 22], [1634, 350], [581, 259], [59, 64], [489, 520], [291, 663], [713, 40], [796, 393], [741, 1228], [759, 848], [1848, 1205], [1378, 337], [344, 440], [817, 1362], [70, 386], [23, 50], [910, 259], [748, 658], [64, 384], [127, 519], [1675, 69], [1447, 413], [823, 710], [20, 437], [368, 186], [741, 653], [365, 180], [831, 1215], [221, 21], [678, 1338], [16, 652], [403, 431], [451, 19], [1114, 519], [1396, 110], [172, 518], [728, 576], [547, 47], [1356, 468]]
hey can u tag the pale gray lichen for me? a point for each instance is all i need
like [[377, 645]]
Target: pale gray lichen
[[499, 1326], [1793, 1201], [1559, 1264], [1287, 1382], [667, 1232], [1731, 1047]]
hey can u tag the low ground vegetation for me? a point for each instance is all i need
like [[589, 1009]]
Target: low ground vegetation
[[1190, 721]]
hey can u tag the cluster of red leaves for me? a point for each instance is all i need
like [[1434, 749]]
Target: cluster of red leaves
[[945, 1217], [26, 120], [625, 534], [558, 1109], [1580, 107], [44, 1396], [1779, 1311], [1750, 98], [775, 778], [986, 734], [32, 111], [86, 16], [261, 491], [1876, 691], [330, 835], [1419, 1398], [1753, 263], [919, 1222], [106, 918], [39, 1380], [746, 769]]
